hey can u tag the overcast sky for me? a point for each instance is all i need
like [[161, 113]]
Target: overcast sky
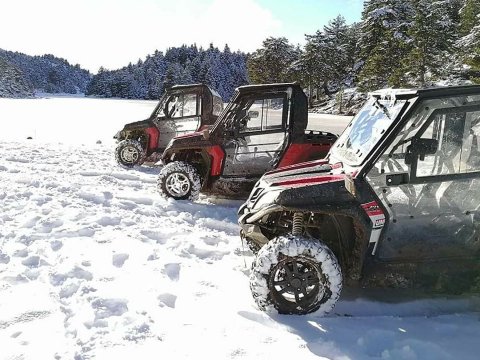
[[112, 33]]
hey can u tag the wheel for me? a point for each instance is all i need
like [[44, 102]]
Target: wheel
[[179, 180], [129, 153], [297, 275]]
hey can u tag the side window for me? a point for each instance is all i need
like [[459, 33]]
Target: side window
[[182, 105], [252, 120], [262, 115], [189, 105], [273, 116], [457, 135]]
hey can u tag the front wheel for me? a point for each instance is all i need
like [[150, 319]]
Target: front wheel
[[129, 153], [179, 180], [297, 275]]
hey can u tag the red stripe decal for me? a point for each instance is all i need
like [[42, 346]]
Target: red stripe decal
[[312, 180], [372, 208]]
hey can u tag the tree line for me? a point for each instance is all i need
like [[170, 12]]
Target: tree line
[[222, 70], [408, 43]]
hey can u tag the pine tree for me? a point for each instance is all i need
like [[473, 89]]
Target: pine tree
[[469, 43], [329, 60], [384, 40], [271, 63], [469, 16], [432, 36]]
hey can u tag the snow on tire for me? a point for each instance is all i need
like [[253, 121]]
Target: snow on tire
[[179, 180], [296, 275], [129, 153]]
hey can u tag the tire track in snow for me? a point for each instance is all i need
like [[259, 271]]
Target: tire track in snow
[[83, 225], [24, 318]]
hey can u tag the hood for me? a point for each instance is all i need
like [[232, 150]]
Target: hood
[[139, 125], [304, 185], [312, 172]]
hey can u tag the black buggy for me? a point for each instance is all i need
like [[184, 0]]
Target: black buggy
[[262, 128], [395, 204]]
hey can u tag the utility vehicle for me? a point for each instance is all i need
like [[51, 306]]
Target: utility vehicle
[[394, 204], [262, 128], [182, 109]]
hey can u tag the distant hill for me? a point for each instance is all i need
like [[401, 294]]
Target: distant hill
[[13, 82], [45, 73]]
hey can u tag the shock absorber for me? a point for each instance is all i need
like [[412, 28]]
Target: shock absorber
[[297, 224]]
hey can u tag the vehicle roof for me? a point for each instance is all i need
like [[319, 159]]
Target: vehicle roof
[[187, 86], [273, 86], [439, 91], [195, 86]]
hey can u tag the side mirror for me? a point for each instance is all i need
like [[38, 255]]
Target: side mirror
[[253, 114], [420, 147]]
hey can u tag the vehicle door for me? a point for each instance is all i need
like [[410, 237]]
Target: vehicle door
[[428, 179], [259, 135], [182, 115]]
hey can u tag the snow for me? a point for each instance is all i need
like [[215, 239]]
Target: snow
[[72, 120], [95, 264]]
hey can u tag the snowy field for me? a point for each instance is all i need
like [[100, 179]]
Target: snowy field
[[94, 264]]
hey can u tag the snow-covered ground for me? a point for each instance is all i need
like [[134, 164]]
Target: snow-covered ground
[[94, 264], [69, 119], [86, 120]]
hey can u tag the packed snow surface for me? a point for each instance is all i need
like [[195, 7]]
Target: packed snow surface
[[94, 264]]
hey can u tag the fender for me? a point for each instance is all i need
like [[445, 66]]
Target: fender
[[153, 136], [217, 155]]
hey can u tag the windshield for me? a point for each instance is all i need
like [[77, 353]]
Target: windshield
[[159, 109], [227, 113], [365, 130]]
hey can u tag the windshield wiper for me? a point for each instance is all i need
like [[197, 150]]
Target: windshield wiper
[[381, 107]]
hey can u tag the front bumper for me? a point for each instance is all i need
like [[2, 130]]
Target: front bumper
[[118, 135], [248, 217]]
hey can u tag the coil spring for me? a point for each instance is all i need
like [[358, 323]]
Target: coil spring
[[297, 224]]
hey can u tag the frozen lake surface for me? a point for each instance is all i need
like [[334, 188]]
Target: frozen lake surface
[[85, 120]]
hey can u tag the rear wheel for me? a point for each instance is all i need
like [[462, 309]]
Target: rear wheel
[[179, 180], [129, 153], [296, 275]]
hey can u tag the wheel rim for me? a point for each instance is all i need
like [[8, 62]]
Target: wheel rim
[[129, 154], [297, 283], [177, 184]]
